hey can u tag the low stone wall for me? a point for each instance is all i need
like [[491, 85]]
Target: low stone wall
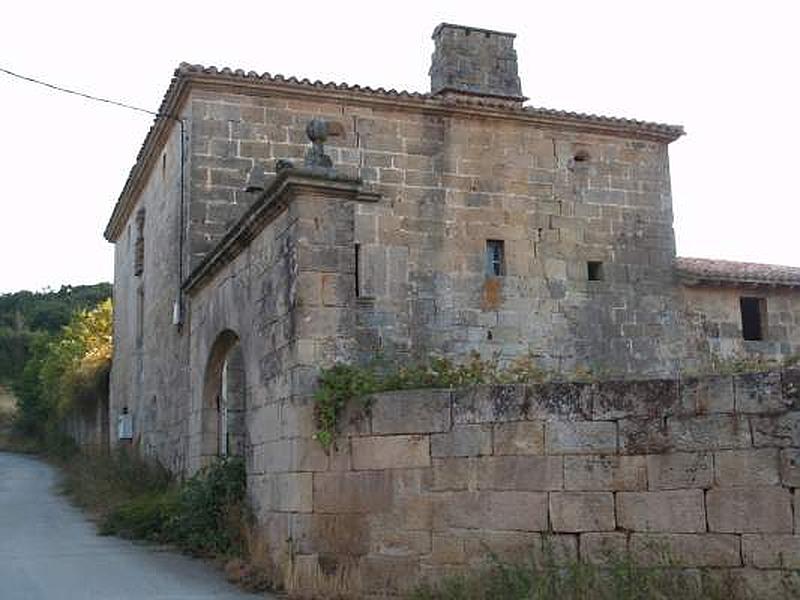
[[425, 482], [88, 426]]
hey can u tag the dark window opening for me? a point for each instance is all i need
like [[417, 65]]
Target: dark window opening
[[594, 270], [754, 317], [163, 165], [138, 258], [495, 258], [357, 250], [581, 156]]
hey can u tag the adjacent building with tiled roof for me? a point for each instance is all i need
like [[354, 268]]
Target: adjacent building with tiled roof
[[705, 271]]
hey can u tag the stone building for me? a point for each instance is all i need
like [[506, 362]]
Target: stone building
[[271, 226]]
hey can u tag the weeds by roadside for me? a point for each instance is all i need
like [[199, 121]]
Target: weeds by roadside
[[205, 516], [620, 578]]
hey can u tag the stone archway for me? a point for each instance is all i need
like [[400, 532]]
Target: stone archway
[[224, 399]]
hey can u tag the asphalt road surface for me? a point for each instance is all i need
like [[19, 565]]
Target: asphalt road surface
[[48, 550]]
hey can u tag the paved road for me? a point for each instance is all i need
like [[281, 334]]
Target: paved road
[[49, 550]]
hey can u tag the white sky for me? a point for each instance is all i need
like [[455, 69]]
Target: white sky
[[726, 71]]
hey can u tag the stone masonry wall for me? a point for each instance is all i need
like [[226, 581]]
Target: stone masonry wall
[[716, 323], [425, 482], [149, 375], [449, 181]]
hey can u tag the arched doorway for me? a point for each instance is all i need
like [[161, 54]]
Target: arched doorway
[[224, 399]]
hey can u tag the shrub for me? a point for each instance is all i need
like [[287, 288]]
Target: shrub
[[209, 509], [144, 517]]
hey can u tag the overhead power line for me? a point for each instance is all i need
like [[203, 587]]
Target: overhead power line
[[58, 88]]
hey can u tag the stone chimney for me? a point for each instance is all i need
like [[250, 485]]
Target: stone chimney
[[473, 61]]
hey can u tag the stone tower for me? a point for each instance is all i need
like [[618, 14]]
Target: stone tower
[[481, 62]]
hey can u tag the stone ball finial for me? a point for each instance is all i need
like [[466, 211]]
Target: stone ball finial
[[318, 131]]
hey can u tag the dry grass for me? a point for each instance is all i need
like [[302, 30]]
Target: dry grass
[[8, 405]]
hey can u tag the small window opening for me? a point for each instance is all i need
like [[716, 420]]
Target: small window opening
[[495, 258], [138, 250], [357, 251], [581, 156], [163, 165], [594, 270], [754, 317]]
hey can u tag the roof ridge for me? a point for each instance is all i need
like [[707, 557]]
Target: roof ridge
[[187, 69]]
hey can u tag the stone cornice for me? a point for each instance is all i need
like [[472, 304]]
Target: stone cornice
[[285, 185]]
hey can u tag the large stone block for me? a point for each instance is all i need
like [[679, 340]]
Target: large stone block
[[411, 411], [485, 546], [564, 400], [790, 467], [490, 403], [463, 440], [286, 491], [747, 467], [680, 470], [749, 510], [602, 548], [706, 395], [394, 542], [573, 512], [686, 549], [447, 549], [674, 511], [790, 385], [521, 437], [588, 437], [345, 534], [779, 431], [643, 435], [766, 584], [613, 473], [771, 551], [514, 511], [712, 432], [522, 473], [624, 399], [759, 392], [351, 492], [390, 452], [454, 474]]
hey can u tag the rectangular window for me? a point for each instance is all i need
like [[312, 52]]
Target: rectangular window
[[138, 257], [495, 258], [594, 270], [754, 317], [358, 268]]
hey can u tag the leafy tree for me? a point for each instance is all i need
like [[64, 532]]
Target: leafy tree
[[26, 316], [66, 372]]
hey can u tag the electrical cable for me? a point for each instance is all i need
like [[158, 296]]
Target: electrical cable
[[178, 309], [81, 94]]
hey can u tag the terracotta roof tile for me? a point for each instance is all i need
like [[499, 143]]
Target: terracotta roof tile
[[479, 101], [726, 271]]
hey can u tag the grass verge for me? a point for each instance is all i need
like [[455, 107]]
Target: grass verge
[[621, 577]]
